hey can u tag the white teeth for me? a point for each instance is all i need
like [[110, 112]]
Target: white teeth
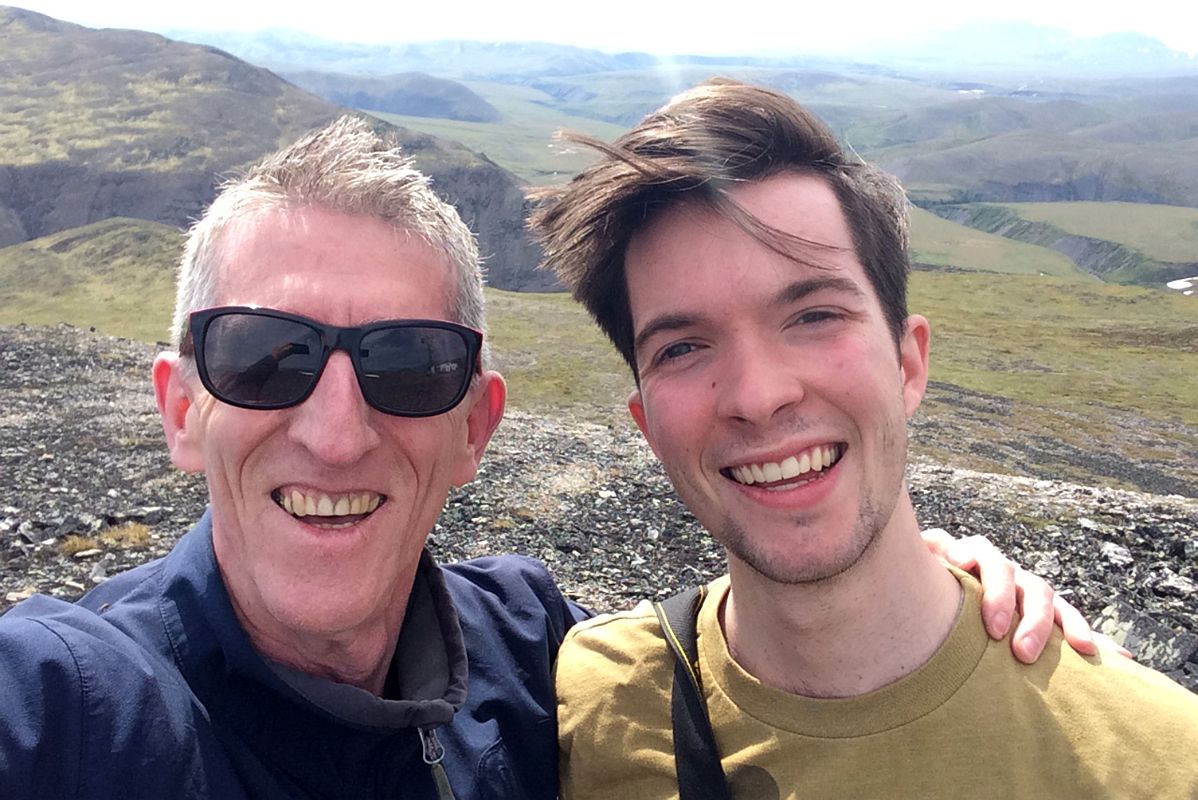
[[342, 507], [355, 504], [286, 501], [815, 459], [324, 506], [374, 503], [309, 506], [298, 507]]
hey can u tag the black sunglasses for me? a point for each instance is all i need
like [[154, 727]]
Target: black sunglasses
[[266, 359]]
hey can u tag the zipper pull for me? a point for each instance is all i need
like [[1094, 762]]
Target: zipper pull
[[433, 754]]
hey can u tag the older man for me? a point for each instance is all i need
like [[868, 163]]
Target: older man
[[754, 277], [300, 641]]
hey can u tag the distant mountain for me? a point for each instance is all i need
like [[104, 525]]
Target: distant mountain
[[988, 112], [106, 123], [1036, 49], [286, 50], [412, 93], [990, 46]]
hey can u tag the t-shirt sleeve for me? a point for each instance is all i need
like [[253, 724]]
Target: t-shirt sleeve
[[613, 681]]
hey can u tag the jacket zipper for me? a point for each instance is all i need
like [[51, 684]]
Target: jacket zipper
[[433, 754]]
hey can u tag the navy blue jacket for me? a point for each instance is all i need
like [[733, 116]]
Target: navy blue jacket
[[149, 688]]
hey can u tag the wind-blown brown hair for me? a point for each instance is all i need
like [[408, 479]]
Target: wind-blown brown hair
[[693, 149]]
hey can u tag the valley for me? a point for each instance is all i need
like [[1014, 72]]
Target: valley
[[1057, 347]]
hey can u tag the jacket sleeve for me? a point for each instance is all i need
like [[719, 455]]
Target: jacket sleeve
[[41, 712], [86, 711]]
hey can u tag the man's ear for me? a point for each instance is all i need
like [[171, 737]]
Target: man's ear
[[636, 407], [173, 390], [913, 361], [486, 411]]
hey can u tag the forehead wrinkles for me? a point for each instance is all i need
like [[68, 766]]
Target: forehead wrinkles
[[270, 221]]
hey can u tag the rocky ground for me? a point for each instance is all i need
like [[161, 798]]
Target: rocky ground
[[86, 491]]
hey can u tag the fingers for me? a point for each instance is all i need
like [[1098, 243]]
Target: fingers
[[1075, 627], [1008, 589], [1036, 601], [979, 556], [997, 574], [937, 540], [1104, 642]]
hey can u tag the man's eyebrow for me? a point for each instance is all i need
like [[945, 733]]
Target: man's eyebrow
[[790, 294], [800, 289], [665, 322]]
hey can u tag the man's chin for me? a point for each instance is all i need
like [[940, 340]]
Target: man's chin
[[785, 561], [321, 612]]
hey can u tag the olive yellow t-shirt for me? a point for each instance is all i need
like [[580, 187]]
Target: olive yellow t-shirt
[[972, 722]]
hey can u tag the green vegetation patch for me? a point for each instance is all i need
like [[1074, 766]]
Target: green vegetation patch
[[117, 276], [554, 357], [1164, 233], [942, 243], [523, 140], [1069, 345]]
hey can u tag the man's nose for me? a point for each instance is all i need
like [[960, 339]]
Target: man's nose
[[335, 423], [757, 382]]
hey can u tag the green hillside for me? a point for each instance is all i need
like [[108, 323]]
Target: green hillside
[[941, 243], [1110, 260], [96, 124], [1057, 342], [1074, 374], [127, 100], [1164, 233], [522, 141], [554, 357], [1070, 345], [117, 276]]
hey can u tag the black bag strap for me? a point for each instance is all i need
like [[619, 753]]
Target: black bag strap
[[696, 759]]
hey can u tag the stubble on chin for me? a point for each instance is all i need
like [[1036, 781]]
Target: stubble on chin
[[838, 556], [788, 570]]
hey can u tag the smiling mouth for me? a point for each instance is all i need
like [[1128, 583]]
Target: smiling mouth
[[337, 510], [796, 470]]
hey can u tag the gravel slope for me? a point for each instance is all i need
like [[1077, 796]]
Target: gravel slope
[[81, 455]]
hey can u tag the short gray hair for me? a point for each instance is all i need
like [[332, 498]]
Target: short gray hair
[[344, 167]]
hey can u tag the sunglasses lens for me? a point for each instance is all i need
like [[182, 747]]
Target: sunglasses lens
[[413, 369], [260, 361]]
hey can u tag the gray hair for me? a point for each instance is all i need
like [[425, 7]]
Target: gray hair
[[344, 167]]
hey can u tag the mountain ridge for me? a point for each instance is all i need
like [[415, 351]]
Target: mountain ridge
[[96, 124]]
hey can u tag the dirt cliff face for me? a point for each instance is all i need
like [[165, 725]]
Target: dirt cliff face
[[492, 203], [40, 199], [494, 207], [97, 124]]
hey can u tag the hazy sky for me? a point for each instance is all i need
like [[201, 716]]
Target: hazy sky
[[692, 27]]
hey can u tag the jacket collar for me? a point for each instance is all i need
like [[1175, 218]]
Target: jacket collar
[[428, 670]]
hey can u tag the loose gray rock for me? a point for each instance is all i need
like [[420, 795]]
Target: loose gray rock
[[589, 500]]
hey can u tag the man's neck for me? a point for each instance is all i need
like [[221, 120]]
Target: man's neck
[[881, 619], [360, 657]]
